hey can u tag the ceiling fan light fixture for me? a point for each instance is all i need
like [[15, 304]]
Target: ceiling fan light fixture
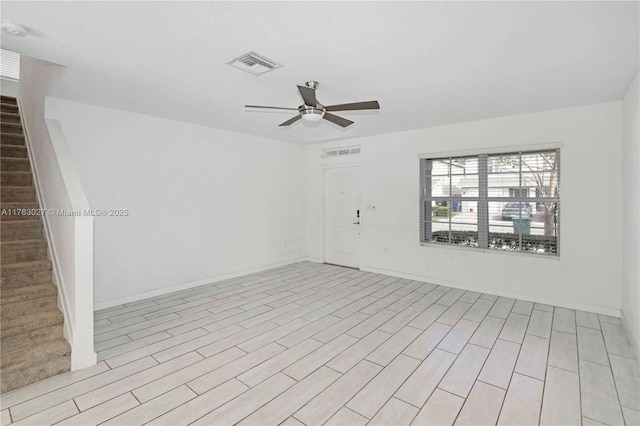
[[311, 114]]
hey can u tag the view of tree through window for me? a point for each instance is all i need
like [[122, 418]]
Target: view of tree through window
[[507, 201]]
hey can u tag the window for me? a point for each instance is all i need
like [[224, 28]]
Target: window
[[507, 201], [518, 192]]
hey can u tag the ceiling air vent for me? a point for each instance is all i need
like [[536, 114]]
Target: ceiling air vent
[[9, 65], [253, 63]]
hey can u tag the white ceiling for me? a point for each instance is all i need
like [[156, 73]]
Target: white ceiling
[[427, 63]]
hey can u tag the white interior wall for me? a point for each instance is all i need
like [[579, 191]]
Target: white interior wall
[[8, 87], [588, 273], [204, 204], [261, 210], [631, 209]]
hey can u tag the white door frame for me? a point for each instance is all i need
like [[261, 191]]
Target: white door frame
[[325, 168]]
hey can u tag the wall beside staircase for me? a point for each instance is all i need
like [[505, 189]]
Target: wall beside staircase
[[70, 238], [203, 204], [8, 87]]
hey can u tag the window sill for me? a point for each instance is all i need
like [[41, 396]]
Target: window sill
[[493, 251]]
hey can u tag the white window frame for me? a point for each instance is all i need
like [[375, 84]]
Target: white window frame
[[482, 200]]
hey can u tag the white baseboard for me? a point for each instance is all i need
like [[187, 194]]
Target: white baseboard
[[185, 286], [495, 292], [464, 286], [635, 344]]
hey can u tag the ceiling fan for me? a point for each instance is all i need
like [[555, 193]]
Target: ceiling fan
[[312, 110]]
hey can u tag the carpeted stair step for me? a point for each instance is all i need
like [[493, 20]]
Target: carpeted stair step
[[8, 108], [11, 139], [22, 294], [13, 151], [19, 211], [9, 117], [24, 339], [17, 194], [22, 251], [13, 128], [31, 364], [8, 100], [23, 331], [15, 164], [16, 178], [27, 300], [26, 325], [26, 274], [20, 230]]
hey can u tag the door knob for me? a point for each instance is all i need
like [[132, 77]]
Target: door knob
[[356, 223]]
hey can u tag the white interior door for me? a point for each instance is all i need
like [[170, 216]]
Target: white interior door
[[342, 221]]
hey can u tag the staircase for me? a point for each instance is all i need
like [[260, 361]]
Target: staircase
[[33, 347]]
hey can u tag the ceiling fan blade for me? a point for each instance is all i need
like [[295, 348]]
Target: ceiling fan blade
[[354, 106], [290, 121], [343, 122], [308, 95], [269, 107]]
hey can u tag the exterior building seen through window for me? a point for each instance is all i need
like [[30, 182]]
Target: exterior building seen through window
[[507, 201]]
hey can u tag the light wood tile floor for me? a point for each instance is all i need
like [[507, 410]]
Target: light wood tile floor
[[320, 344]]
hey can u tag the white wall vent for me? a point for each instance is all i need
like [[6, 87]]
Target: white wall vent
[[9, 65], [254, 63], [340, 152]]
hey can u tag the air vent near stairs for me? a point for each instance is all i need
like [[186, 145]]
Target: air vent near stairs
[[9, 65], [254, 63]]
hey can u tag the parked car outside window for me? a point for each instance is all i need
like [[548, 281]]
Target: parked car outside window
[[516, 210]]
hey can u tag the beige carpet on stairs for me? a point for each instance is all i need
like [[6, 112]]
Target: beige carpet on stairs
[[33, 347]]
